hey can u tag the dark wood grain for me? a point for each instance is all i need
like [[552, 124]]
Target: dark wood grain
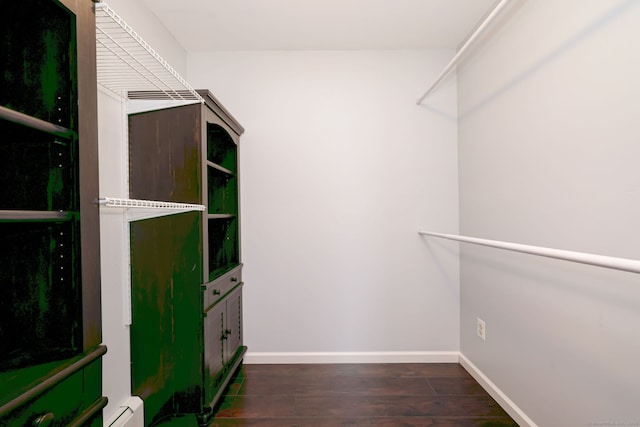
[[436, 395]]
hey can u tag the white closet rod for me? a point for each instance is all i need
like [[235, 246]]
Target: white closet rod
[[451, 65], [623, 264]]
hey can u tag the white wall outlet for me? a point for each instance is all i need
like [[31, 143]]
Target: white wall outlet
[[481, 329]]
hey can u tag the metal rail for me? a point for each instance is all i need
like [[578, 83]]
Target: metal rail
[[35, 123], [623, 264], [465, 47]]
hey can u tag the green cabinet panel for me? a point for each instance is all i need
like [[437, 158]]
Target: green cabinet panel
[[62, 393], [50, 318], [186, 334], [166, 300], [38, 320]]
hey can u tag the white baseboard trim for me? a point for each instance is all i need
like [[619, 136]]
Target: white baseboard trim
[[352, 357], [507, 404], [129, 414]]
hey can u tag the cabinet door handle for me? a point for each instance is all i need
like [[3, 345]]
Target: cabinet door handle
[[43, 420], [216, 291], [234, 279]]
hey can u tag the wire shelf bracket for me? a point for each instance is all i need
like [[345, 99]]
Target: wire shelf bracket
[[137, 209]]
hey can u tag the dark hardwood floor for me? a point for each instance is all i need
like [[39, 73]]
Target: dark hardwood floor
[[436, 395]]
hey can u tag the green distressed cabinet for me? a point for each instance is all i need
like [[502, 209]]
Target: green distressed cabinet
[[50, 319], [186, 272]]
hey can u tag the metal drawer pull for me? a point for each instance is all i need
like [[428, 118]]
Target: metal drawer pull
[[43, 420], [234, 279], [216, 291]]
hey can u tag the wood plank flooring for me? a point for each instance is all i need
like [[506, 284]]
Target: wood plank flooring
[[328, 395]]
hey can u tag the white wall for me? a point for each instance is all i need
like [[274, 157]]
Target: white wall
[[146, 25], [549, 146], [339, 168], [116, 379], [114, 244]]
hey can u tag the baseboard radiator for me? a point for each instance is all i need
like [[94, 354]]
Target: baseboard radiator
[[131, 414]]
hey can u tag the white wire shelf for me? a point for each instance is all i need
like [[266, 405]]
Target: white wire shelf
[[130, 67], [145, 209]]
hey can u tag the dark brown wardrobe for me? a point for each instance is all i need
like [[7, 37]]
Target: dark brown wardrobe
[[186, 281], [50, 319]]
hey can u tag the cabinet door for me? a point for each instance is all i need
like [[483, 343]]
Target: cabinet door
[[222, 340], [233, 326], [214, 327], [166, 313]]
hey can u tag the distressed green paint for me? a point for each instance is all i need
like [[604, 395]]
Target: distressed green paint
[[166, 274], [49, 72], [55, 185], [43, 282], [68, 397], [41, 301], [73, 78]]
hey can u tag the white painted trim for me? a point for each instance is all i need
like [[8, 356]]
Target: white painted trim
[[130, 414], [507, 404], [352, 357]]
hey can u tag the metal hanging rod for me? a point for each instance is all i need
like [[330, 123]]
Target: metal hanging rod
[[623, 264], [33, 122], [451, 65]]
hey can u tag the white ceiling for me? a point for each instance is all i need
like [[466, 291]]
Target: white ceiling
[[201, 25]]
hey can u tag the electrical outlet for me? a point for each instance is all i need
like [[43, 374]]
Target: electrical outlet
[[482, 329]]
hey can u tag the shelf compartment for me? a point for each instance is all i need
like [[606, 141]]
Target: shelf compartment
[[221, 149], [38, 170], [39, 60], [224, 253], [40, 321], [222, 192]]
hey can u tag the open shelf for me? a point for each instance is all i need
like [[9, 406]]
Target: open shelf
[[38, 170], [37, 286]]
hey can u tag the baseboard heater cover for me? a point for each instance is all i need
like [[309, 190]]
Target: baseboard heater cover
[[131, 414]]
